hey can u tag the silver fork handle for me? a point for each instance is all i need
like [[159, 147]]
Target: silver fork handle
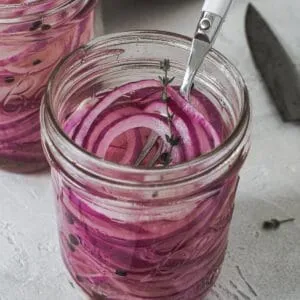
[[205, 35], [208, 27]]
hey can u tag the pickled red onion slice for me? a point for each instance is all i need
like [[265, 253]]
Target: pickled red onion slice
[[125, 112]]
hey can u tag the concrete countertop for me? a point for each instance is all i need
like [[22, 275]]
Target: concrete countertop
[[258, 265]]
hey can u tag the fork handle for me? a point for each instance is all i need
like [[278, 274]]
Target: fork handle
[[212, 16], [217, 7]]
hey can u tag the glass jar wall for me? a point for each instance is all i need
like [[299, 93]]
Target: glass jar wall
[[133, 232], [34, 36]]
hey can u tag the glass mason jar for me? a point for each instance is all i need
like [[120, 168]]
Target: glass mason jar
[[34, 36], [137, 233]]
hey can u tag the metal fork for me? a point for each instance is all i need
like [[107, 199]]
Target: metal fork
[[212, 16]]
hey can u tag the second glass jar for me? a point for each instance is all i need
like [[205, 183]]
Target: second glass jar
[[33, 39]]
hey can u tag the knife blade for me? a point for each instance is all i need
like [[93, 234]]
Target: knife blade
[[274, 64]]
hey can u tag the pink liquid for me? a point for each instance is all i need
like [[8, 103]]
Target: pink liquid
[[105, 135], [139, 252], [25, 66]]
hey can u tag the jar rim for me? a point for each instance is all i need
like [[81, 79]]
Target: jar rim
[[241, 126]]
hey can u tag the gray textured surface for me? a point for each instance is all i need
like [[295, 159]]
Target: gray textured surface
[[30, 265]]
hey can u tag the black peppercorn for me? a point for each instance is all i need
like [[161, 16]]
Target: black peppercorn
[[71, 247], [46, 27], [70, 218], [36, 62], [35, 25], [73, 240], [121, 272], [9, 79]]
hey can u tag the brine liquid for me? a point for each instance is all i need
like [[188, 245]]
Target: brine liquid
[[115, 126], [25, 65], [135, 251], [119, 257]]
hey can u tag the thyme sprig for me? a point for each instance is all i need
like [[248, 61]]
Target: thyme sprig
[[171, 138], [274, 224]]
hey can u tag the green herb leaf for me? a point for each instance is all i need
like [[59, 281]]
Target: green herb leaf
[[170, 80], [164, 96], [174, 141], [165, 65], [171, 139]]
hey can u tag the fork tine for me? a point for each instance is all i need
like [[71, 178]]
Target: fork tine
[[147, 148]]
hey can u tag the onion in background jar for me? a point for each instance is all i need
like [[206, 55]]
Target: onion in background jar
[[34, 36]]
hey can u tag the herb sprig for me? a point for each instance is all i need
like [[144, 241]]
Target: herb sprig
[[171, 138], [274, 224]]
